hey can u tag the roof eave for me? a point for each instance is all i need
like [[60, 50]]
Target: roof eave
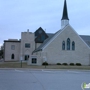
[[37, 50]]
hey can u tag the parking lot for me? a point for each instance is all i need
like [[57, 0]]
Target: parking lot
[[41, 79]]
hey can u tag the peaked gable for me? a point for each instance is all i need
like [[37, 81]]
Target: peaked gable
[[41, 38], [50, 36], [61, 31], [54, 36], [40, 35], [38, 31]]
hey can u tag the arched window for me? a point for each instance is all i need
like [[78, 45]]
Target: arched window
[[68, 44], [73, 45], [63, 45], [12, 56]]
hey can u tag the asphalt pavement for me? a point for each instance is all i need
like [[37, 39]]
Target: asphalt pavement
[[41, 79]]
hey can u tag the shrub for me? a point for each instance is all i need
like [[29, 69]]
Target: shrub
[[58, 63], [44, 63], [71, 64], [65, 64], [78, 64]]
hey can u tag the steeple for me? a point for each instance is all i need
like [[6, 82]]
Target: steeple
[[65, 12], [65, 19]]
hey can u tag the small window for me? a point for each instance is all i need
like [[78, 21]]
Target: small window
[[27, 45], [34, 60], [68, 44], [73, 45], [12, 47], [12, 56], [63, 45]]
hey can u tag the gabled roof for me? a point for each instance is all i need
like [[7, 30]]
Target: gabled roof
[[40, 35], [38, 31], [46, 41], [85, 38]]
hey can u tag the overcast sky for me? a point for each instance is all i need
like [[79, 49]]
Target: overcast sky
[[17, 16]]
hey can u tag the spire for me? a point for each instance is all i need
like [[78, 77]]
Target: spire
[[65, 19], [65, 12]]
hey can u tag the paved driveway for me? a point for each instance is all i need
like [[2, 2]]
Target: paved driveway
[[27, 79]]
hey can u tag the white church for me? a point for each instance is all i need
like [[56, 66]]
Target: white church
[[64, 46]]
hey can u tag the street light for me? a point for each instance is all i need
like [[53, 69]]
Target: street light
[[45, 60], [21, 61]]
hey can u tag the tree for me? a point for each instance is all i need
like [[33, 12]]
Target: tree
[[1, 53]]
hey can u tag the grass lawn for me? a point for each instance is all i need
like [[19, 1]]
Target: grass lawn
[[24, 65]]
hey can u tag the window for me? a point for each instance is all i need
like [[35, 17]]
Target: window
[[73, 45], [12, 56], [27, 45], [68, 44], [63, 45], [12, 47], [26, 57], [34, 60]]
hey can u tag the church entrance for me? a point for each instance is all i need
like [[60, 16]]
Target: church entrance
[[26, 57]]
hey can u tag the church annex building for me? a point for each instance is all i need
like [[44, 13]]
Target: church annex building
[[64, 46]]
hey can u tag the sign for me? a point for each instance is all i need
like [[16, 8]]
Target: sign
[[85, 86], [21, 58]]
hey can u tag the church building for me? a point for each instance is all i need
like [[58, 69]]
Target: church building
[[64, 46]]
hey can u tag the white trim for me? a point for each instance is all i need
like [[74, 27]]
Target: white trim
[[59, 34]]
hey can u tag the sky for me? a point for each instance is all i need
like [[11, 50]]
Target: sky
[[17, 16]]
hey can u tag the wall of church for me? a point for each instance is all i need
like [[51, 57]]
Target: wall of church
[[12, 51], [55, 54]]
